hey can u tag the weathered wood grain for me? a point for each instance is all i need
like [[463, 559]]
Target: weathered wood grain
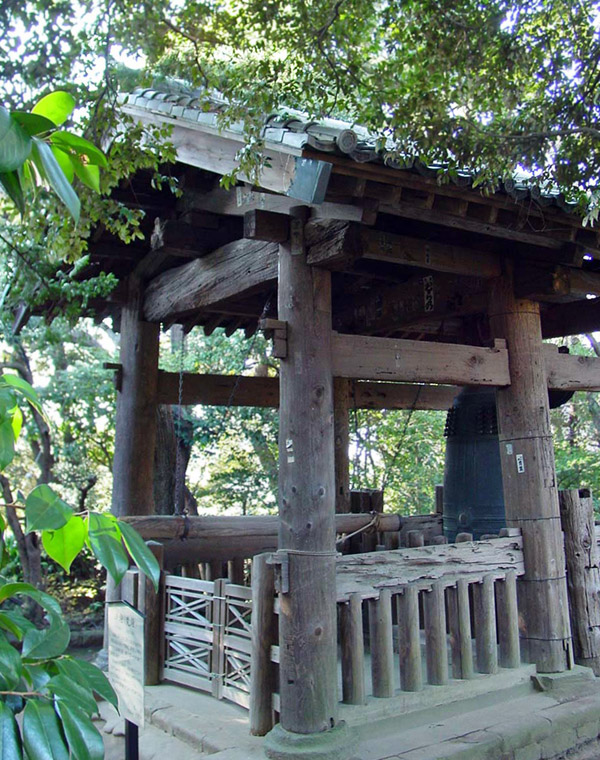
[[264, 636], [422, 566], [236, 269], [352, 651], [529, 479], [367, 358], [583, 576], [308, 614], [409, 641], [381, 638]]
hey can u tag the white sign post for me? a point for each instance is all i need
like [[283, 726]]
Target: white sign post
[[126, 668]]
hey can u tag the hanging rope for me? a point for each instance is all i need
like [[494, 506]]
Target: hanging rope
[[375, 521]]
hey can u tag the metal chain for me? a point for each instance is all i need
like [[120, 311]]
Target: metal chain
[[179, 475]]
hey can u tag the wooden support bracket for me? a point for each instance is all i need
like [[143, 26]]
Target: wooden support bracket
[[276, 330], [118, 376], [281, 566]]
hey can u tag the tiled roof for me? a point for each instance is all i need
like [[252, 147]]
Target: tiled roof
[[291, 129]]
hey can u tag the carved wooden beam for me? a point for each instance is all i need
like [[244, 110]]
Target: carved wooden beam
[[338, 245], [390, 307], [236, 269]]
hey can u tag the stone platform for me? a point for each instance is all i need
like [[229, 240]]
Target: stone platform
[[529, 718]]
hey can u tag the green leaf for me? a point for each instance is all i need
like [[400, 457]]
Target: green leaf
[[11, 626], [10, 665], [37, 675], [72, 691], [15, 144], [44, 510], [57, 106], [105, 541], [110, 553], [83, 737], [24, 388], [55, 176], [64, 544], [12, 185], [79, 145], [89, 174], [33, 123], [8, 590], [96, 680], [10, 738], [48, 642], [17, 422], [42, 736], [65, 163], [7, 444], [140, 554]]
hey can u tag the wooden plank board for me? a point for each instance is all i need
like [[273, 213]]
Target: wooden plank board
[[368, 573], [368, 358]]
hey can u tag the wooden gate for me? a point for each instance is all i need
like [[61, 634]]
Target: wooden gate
[[207, 636]]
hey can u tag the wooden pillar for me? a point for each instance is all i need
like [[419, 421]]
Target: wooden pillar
[[583, 575], [529, 480], [341, 398], [135, 429], [262, 673], [307, 619]]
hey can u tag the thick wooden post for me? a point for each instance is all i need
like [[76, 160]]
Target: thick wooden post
[[529, 480], [353, 651], [583, 576], [307, 619], [341, 394], [135, 430]]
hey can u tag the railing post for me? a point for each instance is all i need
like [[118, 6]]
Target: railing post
[[485, 626], [353, 652], [459, 614], [434, 609], [411, 676], [508, 621], [264, 635], [150, 603], [382, 651]]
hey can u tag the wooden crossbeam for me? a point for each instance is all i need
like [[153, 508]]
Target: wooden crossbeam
[[218, 390], [365, 358], [236, 269], [338, 245], [572, 318], [555, 283], [569, 372], [388, 307]]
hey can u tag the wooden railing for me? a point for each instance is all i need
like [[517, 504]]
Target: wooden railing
[[439, 612]]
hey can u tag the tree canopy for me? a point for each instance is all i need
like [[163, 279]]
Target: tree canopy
[[493, 87]]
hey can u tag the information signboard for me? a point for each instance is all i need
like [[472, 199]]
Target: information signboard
[[126, 659]]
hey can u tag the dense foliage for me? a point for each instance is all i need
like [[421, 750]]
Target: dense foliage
[[54, 691]]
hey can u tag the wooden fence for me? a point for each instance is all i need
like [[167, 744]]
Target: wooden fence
[[434, 613]]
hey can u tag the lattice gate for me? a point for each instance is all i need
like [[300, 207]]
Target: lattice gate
[[207, 636]]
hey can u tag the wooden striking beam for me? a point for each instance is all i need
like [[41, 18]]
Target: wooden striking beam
[[165, 527], [218, 390], [572, 318], [391, 307], [236, 269], [365, 358], [337, 245]]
